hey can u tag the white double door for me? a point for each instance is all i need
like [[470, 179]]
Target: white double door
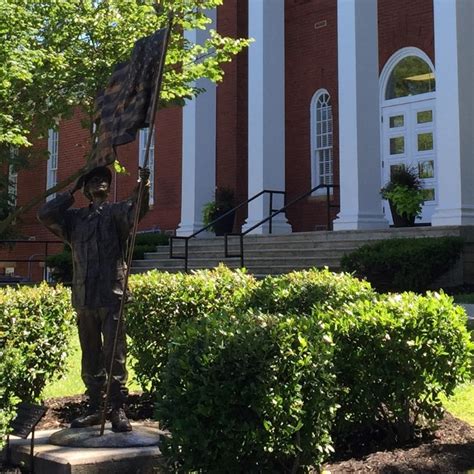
[[408, 139]]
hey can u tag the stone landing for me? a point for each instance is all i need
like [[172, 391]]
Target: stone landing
[[54, 459]]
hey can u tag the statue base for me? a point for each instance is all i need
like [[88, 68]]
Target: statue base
[[140, 436]]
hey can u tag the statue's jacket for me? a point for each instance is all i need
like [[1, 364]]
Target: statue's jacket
[[98, 239]]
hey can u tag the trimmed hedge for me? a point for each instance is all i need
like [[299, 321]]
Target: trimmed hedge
[[35, 323], [248, 393], [162, 301], [404, 264], [298, 292], [394, 356], [225, 354]]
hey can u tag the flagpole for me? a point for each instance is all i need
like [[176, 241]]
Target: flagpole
[[155, 102]]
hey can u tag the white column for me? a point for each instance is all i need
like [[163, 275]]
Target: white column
[[454, 47], [359, 116], [266, 110], [198, 178]]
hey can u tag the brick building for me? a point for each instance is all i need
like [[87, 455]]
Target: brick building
[[331, 91]]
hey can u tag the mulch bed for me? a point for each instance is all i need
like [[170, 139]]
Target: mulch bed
[[451, 449]]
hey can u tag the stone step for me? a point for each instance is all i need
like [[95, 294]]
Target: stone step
[[260, 246], [252, 253], [265, 254], [376, 234]]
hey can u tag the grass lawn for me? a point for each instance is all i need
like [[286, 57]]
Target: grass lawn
[[71, 382], [461, 404]]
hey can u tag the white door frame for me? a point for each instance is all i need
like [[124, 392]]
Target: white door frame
[[408, 102]]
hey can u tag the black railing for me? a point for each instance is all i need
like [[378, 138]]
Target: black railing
[[35, 257], [187, 238], [272, 213]]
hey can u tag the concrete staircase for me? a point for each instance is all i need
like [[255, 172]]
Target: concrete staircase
[[274, 254]]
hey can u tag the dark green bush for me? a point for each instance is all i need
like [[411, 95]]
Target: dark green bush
[[248, 393], [152, 238], [404, 264], [394, 356], [162, 301], [35, 323], [140, 250], [61, 265]]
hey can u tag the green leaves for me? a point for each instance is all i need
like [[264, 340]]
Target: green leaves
[[404, 264], [35, 324], [56, 55], [265, 374]]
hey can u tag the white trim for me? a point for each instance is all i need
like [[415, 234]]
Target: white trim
[[315, 174], [53, 161], [13, 178], [266, 111], [142, 138], [359, 116], [198, 175], [454, 37], [407, 101], [394, 59]]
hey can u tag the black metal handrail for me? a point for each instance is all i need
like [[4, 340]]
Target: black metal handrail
[[187, 238], [37, 257], [274, 213]]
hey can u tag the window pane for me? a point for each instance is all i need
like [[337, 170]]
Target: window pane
[[426, 169], [395, 168], [429, 194], [411, 76], [397, 145], [397, 121], [425, 116], [425, 141]]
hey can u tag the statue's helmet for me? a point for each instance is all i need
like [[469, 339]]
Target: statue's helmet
[[101, 171]]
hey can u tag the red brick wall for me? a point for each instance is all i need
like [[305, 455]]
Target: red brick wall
[[231, 146], [311, 64], [405, 23]]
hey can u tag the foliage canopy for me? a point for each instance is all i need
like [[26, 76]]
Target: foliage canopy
[[55, 56]]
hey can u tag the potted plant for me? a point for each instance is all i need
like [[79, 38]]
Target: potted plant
[[405, 196], [224, 201]]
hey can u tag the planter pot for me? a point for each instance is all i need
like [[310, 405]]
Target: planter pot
[[225, 225], [399, 220]]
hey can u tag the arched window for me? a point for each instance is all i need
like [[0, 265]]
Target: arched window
[[321, 139], [411, 76]]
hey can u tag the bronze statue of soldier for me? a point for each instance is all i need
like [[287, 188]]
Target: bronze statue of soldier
[[98, 237]]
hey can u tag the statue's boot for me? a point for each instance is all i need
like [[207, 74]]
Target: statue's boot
[[120, 423], [91, 417]]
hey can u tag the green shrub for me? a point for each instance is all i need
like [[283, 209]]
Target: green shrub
[[394, 356], [162, 301], [152, 238], [35, 323], [404, 264], [298, 292], [140, 250], [248, 393], [61, 265], [198, 345]]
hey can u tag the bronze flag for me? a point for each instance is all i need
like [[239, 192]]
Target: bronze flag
[[125, 105]]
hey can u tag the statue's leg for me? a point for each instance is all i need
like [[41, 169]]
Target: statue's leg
[[92, 364], [118, 388]]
